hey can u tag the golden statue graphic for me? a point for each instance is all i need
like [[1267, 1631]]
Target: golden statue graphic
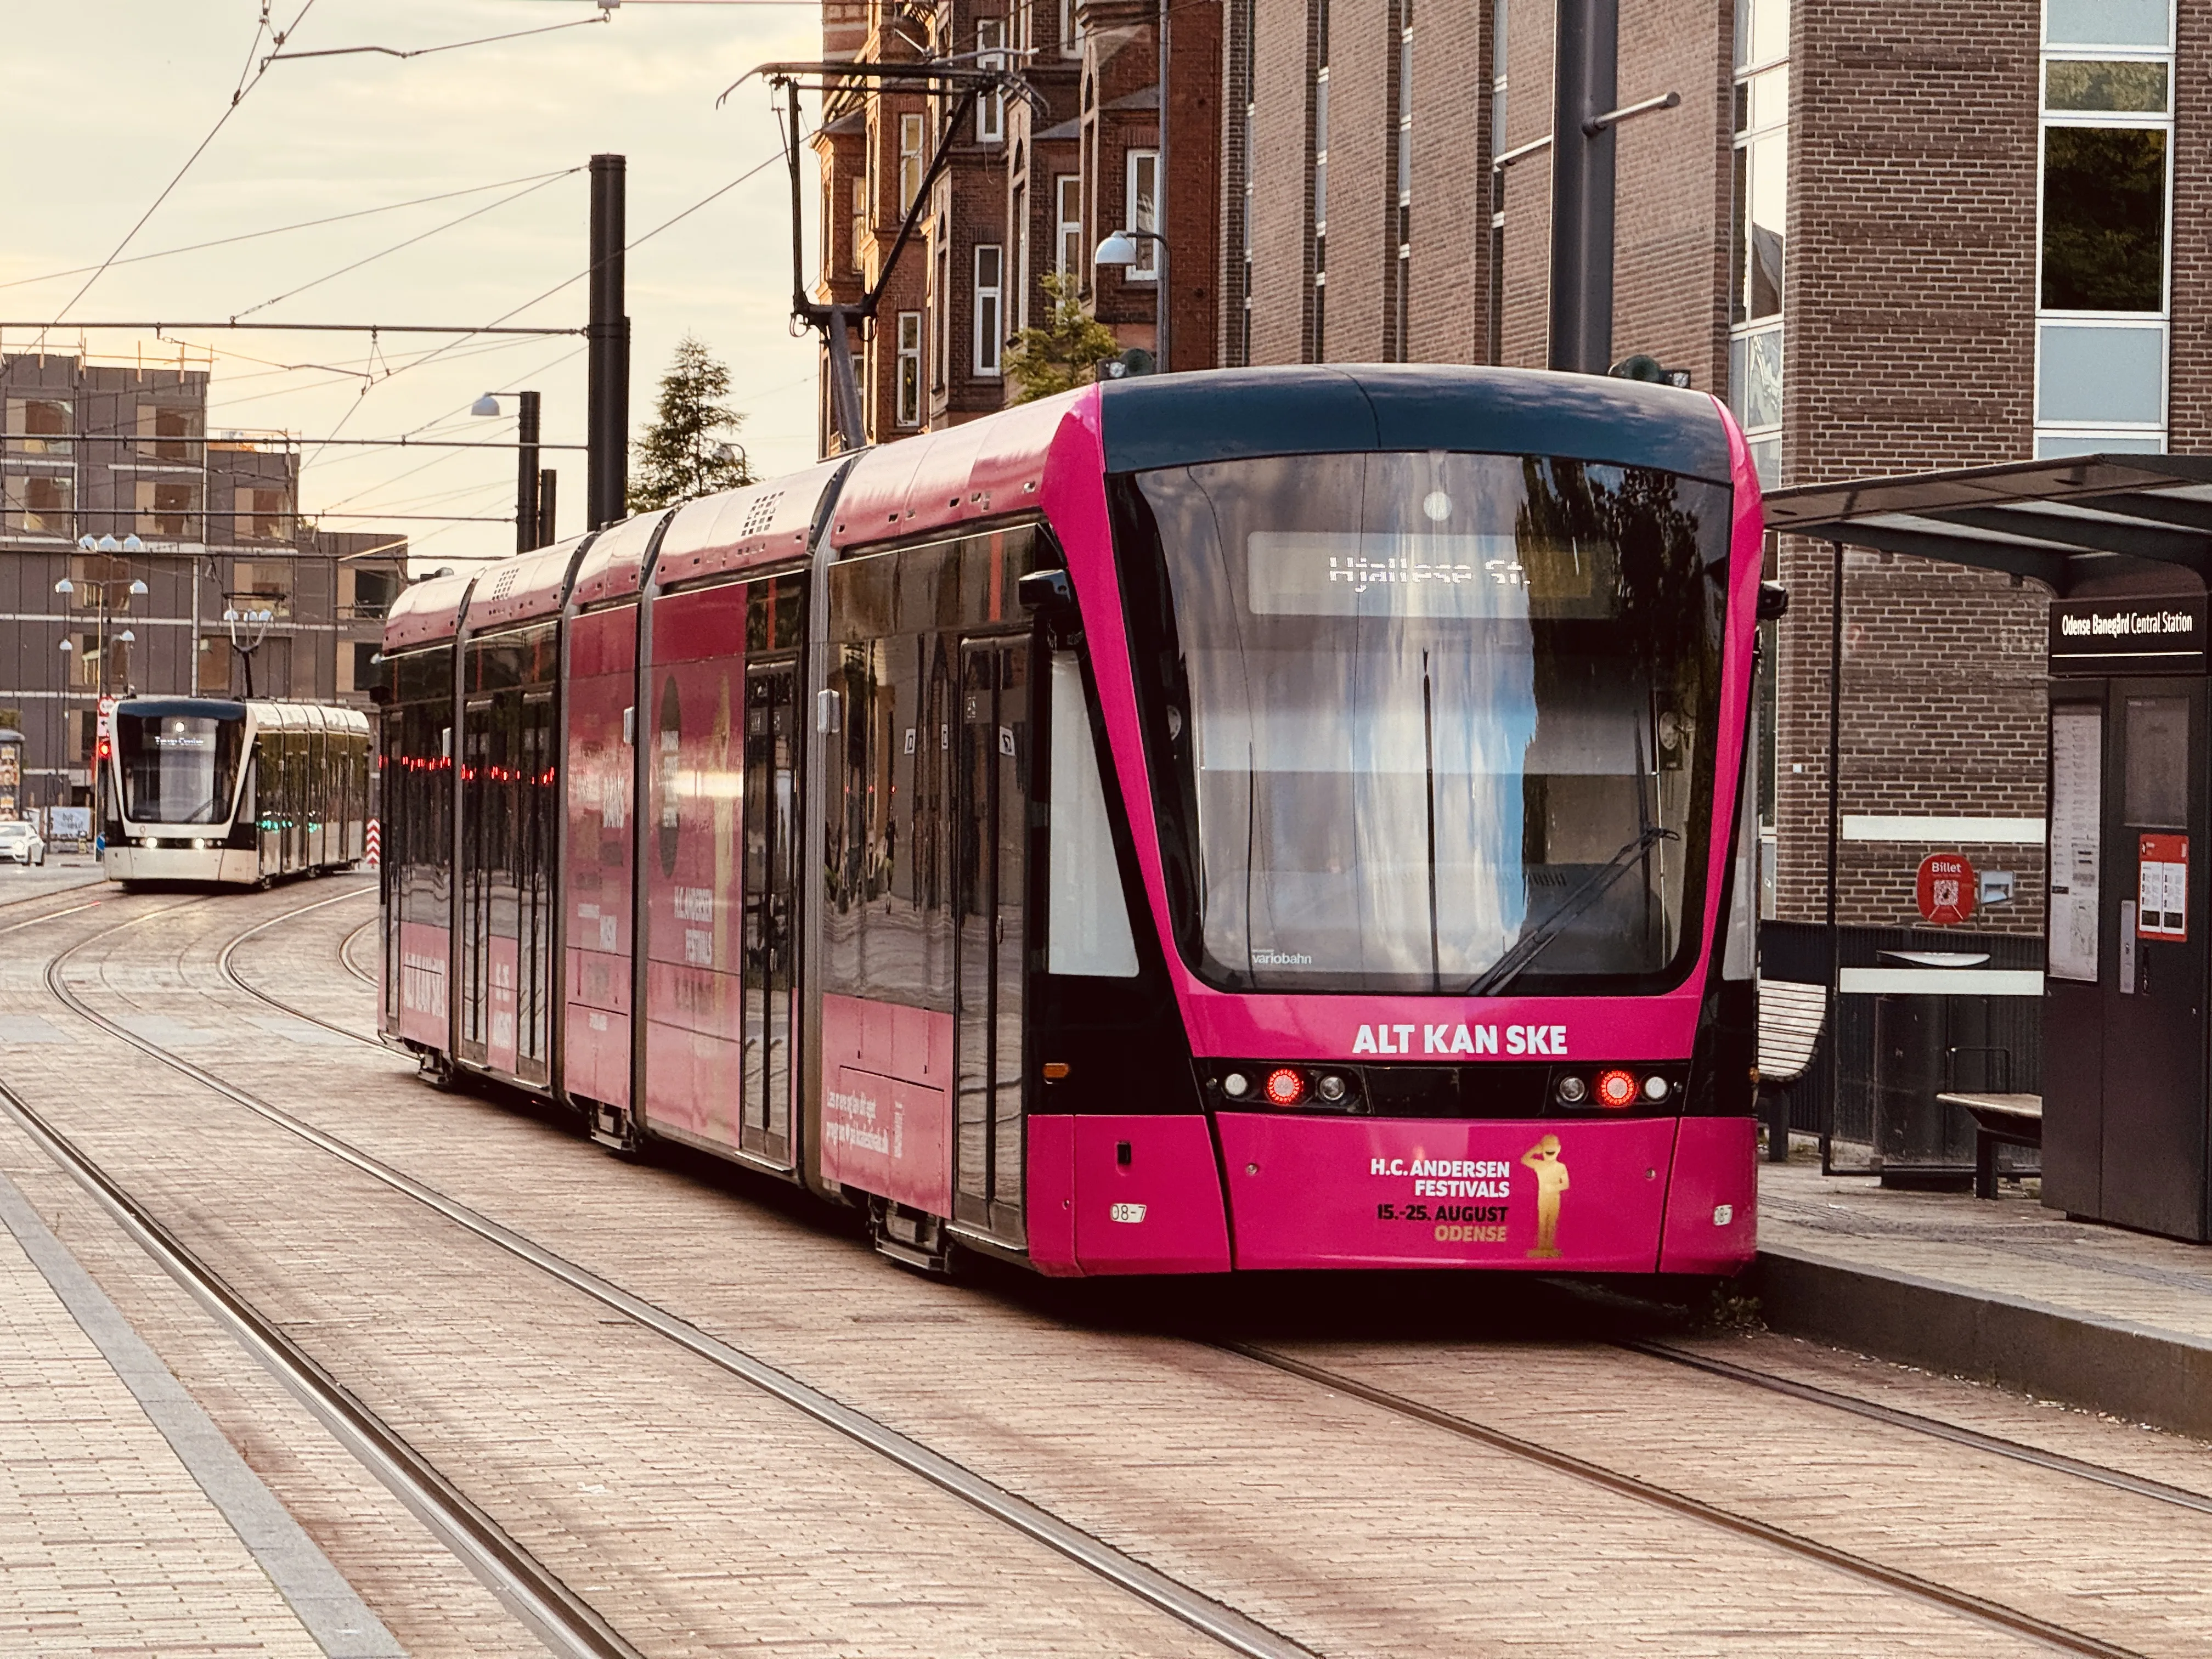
[[1551, 1181]]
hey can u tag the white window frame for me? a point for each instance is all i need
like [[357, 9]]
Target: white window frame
[[913, 160], [1068, 227], [990, 54], [906, 371], [1071, 31], [989, 314], [1136, 216], [1764, 438], [2057, 437]]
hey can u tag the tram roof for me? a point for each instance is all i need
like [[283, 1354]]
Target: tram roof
[[426, 611], [614, 564], [2063, 521], [769, 523], [527, 586], [1185, 420]]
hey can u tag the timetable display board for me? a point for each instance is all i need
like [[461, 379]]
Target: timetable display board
[[2076, 839]]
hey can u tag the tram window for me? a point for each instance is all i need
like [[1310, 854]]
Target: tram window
[[1086, 917]]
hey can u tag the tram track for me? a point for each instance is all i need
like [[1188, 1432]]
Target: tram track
[[545, 1597], [229, 968], [1212, 1617], [1979, 1608]]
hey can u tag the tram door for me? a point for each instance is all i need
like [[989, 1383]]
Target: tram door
[[991, 823], [533, 891], [769, 981], [479, 835]]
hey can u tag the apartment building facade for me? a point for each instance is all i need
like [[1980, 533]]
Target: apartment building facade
[[184, 525]]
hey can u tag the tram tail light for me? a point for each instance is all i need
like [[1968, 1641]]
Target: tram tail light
[[1617, 1089], [1286, 1086]]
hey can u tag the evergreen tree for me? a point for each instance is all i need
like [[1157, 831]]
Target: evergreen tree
[[686, 453], [1065, 351]]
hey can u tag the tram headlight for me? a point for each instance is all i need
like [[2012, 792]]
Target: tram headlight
[[1330, 1088], [199, 844], [1236, 1085], [1286, 1086], [1572, 1091], [1656, 1087], [1616, 1089]]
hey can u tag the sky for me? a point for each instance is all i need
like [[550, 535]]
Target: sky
[[107, 98]]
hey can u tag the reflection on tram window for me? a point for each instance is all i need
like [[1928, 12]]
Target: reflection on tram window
[[1451, 718]]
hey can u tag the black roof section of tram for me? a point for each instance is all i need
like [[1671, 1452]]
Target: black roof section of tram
[[2063, 521], [1189, 420]]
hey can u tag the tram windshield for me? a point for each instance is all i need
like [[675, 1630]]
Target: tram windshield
[[180, 763], [1431, 722]]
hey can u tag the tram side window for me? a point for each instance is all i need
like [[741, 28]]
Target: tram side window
[[897, 622], [1086, 914]]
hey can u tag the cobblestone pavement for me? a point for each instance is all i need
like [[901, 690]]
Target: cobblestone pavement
[[701, 1516]]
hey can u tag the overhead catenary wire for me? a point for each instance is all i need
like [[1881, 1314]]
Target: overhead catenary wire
[[303, 224], [246, 86]]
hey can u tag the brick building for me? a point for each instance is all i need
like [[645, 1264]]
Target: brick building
[[1893, 236], [122, 453], [1031, 185]]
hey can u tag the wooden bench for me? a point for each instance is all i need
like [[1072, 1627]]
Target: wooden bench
[[2000, 1120], [1790, 1019]]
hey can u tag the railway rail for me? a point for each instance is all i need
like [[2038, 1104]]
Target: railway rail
[[539, 1597], [543, 1603]]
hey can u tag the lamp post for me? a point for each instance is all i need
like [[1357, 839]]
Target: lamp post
[[1120, 249], [132, 587], [247, 630], [532, 488]]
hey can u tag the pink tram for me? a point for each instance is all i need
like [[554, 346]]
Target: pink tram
[[1260, 819]]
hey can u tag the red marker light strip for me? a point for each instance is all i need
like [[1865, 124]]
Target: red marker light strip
[[1286, 1087], [1616, 1089]]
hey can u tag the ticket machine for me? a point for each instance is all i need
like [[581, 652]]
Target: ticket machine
[[2127, 1104]]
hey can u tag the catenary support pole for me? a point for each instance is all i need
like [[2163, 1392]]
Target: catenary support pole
[[1831, 1067], [548, 499], [607, 392], [1585, 63], [526, 475]]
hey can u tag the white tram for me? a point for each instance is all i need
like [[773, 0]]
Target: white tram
[[204, 789]]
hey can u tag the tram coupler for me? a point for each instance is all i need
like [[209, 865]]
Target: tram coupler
[[612, 1127]]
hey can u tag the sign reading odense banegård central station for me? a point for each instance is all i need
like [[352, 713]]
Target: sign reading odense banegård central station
[[2129, 634]]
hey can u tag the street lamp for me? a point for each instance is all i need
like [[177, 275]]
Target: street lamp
[[131, 586], [533, 490], [1120, 249]]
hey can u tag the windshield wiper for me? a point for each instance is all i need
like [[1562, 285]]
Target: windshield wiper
[[1502, 972]]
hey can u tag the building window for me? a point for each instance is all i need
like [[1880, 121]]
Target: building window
[[1762, 197], [169, 506], [263, 515], [910, 164], [1143, 212], [84, 662], [940, 316], [1067, 246], [991, 108], [2106, 196], [860, 226], [1071, 31], [990, 317], [1021, 226], [908, 369], [39, 426], [99, 581], [1321, 183], [1398, 277], [169, 433], [41, 503]]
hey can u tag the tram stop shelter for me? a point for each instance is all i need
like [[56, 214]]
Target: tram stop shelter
[[2123, 542]]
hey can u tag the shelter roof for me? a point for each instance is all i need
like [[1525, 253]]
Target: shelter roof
[[2063, 521]]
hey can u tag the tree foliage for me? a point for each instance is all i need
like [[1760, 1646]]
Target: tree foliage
[[687, 451], [1065, 351]]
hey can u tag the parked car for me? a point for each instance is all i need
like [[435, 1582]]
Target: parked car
[[20, 843]]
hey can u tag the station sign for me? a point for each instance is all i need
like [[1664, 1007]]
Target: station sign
[[2129, 635], [1947, 890]]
